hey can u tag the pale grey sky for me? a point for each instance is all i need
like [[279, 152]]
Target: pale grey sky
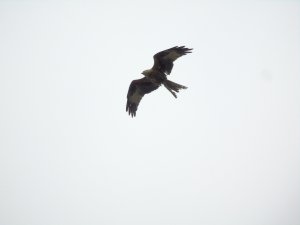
[[226, 152]]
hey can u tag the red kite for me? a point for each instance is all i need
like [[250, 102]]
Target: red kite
[[154, 77]]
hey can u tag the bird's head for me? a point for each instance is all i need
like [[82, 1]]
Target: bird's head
[[146, 72]]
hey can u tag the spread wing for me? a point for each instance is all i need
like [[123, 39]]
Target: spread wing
[[137, 89], [163, 60]]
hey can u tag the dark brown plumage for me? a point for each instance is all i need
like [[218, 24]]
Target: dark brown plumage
[[154, 77], [137, 89]]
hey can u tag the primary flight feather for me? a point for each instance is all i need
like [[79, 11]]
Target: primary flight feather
[[154, 77]]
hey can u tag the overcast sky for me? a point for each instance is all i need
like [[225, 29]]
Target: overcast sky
[[225, 152]]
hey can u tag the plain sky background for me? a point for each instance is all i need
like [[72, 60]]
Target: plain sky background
[[226, 152]]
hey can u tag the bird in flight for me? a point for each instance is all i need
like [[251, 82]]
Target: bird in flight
[[154, 77]]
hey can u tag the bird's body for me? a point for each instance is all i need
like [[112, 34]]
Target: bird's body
[[154, 77]]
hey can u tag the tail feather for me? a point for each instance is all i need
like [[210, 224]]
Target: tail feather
[[173, 87]]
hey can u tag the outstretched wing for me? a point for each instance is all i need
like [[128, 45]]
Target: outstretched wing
[[163, 60], [137, 89]]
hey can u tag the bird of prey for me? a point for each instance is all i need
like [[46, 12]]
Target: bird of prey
[[154, 77]]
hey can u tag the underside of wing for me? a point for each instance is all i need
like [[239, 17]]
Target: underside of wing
[[163, 60], [137, 89]]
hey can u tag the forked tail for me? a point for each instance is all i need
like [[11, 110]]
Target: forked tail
[[173, 87]]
